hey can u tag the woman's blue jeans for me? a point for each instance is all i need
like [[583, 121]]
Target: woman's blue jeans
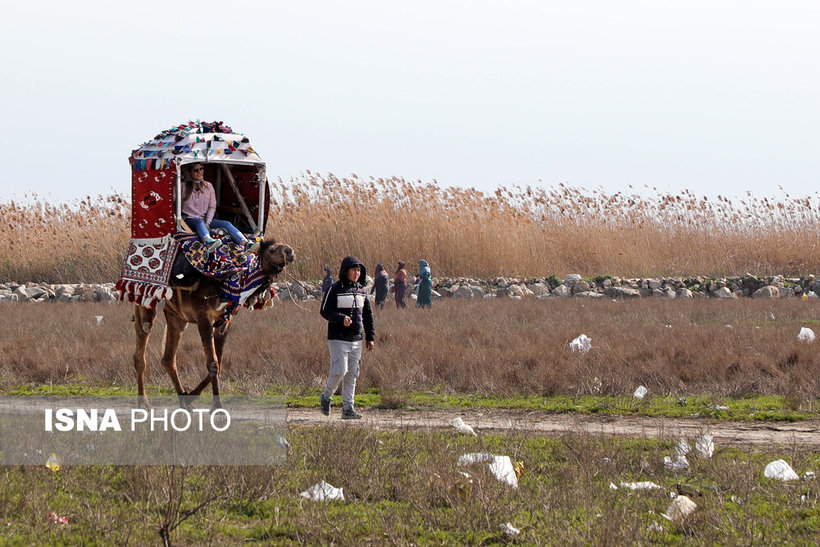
[[198, 225]]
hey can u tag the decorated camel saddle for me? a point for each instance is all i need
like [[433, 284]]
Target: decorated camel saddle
[[153, 271], [243, 281]]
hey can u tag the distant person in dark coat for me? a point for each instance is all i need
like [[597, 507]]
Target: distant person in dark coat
[[380, 284], [327, 282], [400, 285], [425, 290]]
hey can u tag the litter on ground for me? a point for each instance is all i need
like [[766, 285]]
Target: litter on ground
[[705, 446], [680, 508], [806, 335], [780, 470], [322, 491], [642, 485], [500, 466], [461, 427], [582, 343], [509, 531]]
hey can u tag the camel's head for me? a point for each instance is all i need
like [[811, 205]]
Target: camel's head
[[275, 257]]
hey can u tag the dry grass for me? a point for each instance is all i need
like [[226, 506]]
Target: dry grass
[[461, 232], [496, 347], [400, 488]]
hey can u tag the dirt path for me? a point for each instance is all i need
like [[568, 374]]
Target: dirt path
[[724, 433]]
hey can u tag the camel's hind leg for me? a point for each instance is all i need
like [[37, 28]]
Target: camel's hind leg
[[143, 322], [174, 327]]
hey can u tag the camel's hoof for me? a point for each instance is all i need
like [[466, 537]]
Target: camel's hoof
[[143, 403], [216, 404], [186, 401]]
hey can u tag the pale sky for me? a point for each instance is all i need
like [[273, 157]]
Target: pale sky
[[717, 97]]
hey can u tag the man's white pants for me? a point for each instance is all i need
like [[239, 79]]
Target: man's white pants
[[345, 358]]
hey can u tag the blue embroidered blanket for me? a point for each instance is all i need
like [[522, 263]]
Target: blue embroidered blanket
[[240, 272]]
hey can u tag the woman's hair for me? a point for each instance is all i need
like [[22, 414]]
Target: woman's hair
[[187, 181]]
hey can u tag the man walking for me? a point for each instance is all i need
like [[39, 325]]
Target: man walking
[[346, 308]]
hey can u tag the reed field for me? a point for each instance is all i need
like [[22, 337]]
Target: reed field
[[460, 232]]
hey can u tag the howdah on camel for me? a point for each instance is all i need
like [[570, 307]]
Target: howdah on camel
[[209, 175]]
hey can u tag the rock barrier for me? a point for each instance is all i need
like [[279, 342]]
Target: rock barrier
[[516, 288]]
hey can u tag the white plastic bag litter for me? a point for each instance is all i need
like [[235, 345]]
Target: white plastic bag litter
[[500, 466], [583, 344], [806, 335], [680, 463], [780, 470], [461, 427], [98, 319], [640, 393], [509, 531], [323, 491], [642, 485], [705, 445], [682, 448], [680, 508]]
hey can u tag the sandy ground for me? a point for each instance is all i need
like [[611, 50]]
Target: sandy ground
[[724, 433]]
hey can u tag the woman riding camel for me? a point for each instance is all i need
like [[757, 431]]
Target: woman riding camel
[[198, 208]]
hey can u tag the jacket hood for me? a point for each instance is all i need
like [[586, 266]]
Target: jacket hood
[[327, 271], [423, 264], [347, 263]]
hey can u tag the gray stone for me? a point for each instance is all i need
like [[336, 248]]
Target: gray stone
[[580, 286], [562, 291], [589, 294], [622, 292], [571, 279], [35, 292], [685, 293], [20, 292], [463, 292], [654, 284], [297, 290], [539, 289], [724, 292], [769, 291]]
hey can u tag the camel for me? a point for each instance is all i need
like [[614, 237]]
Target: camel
[[203, 307]]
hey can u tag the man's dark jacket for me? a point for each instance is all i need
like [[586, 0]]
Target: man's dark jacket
[[347, 299]]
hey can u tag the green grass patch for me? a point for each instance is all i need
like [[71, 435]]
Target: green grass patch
[[758, 408]]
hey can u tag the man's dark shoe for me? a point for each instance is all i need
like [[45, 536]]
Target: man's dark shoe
[[324, 404], [350, 414]]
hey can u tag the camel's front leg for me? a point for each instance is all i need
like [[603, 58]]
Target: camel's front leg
[[174, 327], [206, 333], [143, 321], [219, 345]]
